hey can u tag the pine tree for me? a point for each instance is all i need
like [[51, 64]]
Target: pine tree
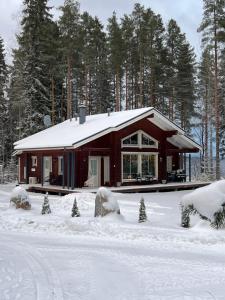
[[94, 72], [211, 26], [75, 210], [174, 39], [46, 207], [205, 100], [127, 29], [115, 44], [142, 212], [69, 27]]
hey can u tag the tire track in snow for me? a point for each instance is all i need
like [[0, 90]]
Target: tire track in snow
[[40, 262], [99, 274], [45, 279]]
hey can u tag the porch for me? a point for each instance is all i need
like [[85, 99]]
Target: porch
[[150, 188]]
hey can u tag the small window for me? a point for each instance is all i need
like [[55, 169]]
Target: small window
[[146, 141], [140, 140], [60, 165], [132, 140], [34, 161]]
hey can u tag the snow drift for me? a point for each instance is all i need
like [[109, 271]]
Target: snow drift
[[208, 202]]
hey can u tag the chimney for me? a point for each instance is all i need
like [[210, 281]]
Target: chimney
[[108, 111], [82, 114]]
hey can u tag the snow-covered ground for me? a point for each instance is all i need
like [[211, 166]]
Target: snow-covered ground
[[114, 258]]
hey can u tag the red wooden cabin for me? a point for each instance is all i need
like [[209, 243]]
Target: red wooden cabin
[[119, 148]]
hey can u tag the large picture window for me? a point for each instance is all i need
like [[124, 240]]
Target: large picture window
[[130, 166], [139, 165], [148, 165], [139, 139]]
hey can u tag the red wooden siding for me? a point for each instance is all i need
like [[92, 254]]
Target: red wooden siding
[[108, 145]]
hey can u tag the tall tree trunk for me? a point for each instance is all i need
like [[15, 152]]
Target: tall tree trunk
[[206, 135], [211, 150], [117, 89], [126, 88], [171, 101], [69, 88], [53, 99], [141, 81], [62, 100], [216, 99], [86, 79]]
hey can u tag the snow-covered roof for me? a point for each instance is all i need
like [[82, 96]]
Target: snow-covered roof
[[71, 134]]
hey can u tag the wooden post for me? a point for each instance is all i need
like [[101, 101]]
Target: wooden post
[[63, 171], [72, 170], [189, 167], [27, 169], [42, 170], [68, 170]]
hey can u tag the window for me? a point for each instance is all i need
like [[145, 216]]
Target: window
[[60, 165], [139, 140], [130, 166], [146, 141], [132, 140], [34, 161], [148, 165], [139, 165]]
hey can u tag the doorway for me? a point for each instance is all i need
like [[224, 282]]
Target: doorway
[[47, 168]]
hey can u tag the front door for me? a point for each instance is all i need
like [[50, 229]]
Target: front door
[[47, 168], [95, 170]]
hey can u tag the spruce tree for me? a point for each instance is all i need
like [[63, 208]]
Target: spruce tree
[[185, 95], [46, 207], [75, 210], [33, 44], [142, 212]]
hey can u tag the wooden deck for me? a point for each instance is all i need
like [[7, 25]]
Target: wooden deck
[[123, 189]]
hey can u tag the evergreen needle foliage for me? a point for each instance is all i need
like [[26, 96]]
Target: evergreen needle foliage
[[75, 210], [217, 222], [142, 212], [46, 207]]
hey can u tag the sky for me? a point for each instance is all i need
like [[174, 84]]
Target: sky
[[187, 13]]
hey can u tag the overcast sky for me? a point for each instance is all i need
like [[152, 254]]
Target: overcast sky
[[187, 13]]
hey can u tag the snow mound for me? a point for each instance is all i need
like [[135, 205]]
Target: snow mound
[[207, 200], [20, 193], [112, 203], [105, 203]]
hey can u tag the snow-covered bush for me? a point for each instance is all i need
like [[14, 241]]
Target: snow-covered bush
[[105, 203], [142, 212], [46, 207], [208, 202], [75, 210], [19, 198]]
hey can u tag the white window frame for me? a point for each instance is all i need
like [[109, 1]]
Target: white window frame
[[60, 159], [139, 144], [34, 160], [139, 154]]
